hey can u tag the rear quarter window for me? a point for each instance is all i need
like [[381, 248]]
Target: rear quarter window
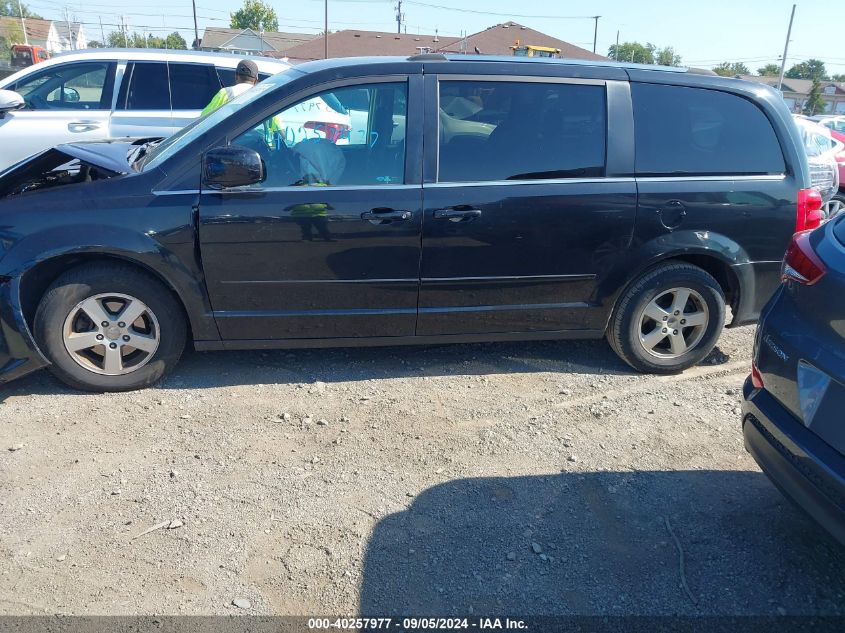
[[696, 131], [192, 86]]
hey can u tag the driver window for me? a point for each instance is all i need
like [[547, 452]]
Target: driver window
[[66, 87], [344, 137]]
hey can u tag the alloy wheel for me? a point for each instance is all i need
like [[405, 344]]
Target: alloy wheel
[[673, 323], [111, 334], [833, 208]]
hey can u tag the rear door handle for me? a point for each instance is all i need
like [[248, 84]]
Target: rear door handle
[[385, 216], [457, 214]]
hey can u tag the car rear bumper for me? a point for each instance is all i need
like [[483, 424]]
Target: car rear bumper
[[800, 464], [19, 355]]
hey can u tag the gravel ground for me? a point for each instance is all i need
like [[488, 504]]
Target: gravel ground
[[530, 478]]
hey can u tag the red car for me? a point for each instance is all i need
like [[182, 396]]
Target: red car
[[836, 204]]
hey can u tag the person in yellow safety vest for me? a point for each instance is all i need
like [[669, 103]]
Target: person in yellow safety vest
[[246, 76]]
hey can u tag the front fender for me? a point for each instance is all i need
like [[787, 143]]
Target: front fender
[[170, 257]]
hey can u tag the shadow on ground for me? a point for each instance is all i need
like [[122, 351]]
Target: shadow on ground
[[220, 369], [597, 543]]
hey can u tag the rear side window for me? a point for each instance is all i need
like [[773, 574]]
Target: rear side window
[[694, 131], [506, 130], [192, 86], [147, 88]]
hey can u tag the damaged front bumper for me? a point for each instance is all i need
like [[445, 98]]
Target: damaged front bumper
[[19, 355]]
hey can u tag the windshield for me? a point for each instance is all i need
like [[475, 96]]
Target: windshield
[[194, 130]]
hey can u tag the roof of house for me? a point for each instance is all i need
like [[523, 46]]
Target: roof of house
[[498, 39], [797, 86], [38, 30], [215, 37], [355, 43]]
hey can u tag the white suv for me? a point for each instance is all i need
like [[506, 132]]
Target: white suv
[[108, 93]]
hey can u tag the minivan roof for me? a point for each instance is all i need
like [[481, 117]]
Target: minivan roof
[[482, 59]]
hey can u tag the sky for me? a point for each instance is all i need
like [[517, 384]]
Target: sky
[[702, 33]]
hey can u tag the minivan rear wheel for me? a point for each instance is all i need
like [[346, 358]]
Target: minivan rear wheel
[[668, 320]]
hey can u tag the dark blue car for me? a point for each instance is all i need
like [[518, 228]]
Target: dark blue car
[[794, 411]]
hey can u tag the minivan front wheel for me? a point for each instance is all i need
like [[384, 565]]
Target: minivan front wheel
[[668, 320], [109, 327]]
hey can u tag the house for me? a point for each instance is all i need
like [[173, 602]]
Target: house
[[248, 42], [354, 43], [54, 36], [71, 35], [797, 91], [496, 40]]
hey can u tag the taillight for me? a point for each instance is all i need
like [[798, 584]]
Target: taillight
[[809, 210], [756, 377], [332, 131], [801, 263]]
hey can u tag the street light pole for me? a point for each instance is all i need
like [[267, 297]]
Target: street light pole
[[326, 30], [786, 48]]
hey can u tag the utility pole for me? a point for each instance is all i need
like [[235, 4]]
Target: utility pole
[[69, 31], [616, 52], [596, 31], [102, 31], [124, 27], [326, 30], [23, 24], [399, 16], [786, 48], [196, 30]]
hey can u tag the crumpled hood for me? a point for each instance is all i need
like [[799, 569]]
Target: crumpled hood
[[110, 155]]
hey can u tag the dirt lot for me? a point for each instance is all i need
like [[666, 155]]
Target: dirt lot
[[530, 478]]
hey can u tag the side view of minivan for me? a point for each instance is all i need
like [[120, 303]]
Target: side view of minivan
[[484, 199]]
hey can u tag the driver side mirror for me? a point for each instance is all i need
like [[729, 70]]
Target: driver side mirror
[[10, 100], [234, 166]]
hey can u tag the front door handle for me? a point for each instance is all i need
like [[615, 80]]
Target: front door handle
[[459, 214], [385, 216], [83, 126]]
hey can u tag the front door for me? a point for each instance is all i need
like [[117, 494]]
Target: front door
[[329, 245], [522, 219]]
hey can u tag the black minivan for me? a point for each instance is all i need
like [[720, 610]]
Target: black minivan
[[441, 199]]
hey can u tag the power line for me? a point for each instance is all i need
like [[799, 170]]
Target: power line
[[499, 15]]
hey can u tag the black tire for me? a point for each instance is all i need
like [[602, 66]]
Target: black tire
[[629, 324], [101, 278]]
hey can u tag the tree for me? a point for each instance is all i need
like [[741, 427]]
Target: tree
[[731, 69], [255, 15], [644, 54], [14, 35], [814, 103], [840, 77], [769, 70], [175, 41], [633, 52], [811, 69], [10, 8], [667, 57], [96, 44]]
